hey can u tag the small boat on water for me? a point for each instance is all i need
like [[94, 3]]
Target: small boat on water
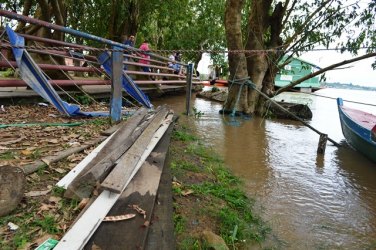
[[359, 129]]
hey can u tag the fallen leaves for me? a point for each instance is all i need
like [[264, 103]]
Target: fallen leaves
[[10, 142], [119, 217]]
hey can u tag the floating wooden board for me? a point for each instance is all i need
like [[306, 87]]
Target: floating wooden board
[[116, 180], [85, 226]]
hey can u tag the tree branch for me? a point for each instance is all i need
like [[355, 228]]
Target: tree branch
[[26, 11], [306, 22], [333, 66]]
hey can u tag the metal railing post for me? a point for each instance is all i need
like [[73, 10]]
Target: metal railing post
[[189, 88], [116, 88]]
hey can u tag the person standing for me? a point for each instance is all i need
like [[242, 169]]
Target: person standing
[[129, 41], [145, 57]]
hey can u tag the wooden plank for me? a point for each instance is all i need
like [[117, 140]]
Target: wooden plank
[[113, 129], [83, 229], [141, 191], [161, 231], [67, 179], [122, 134], [116, 180], [84, 184]]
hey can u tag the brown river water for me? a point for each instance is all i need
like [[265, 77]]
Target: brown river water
[[309, 201]]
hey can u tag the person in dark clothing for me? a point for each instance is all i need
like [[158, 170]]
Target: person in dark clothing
[[129, 42]]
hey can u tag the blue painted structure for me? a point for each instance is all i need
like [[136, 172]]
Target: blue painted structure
[[77, 33], [128, 84], [34, 77], [117, 78], [358, 128]]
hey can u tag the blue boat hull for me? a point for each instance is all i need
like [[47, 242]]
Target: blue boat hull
[[356, 135]]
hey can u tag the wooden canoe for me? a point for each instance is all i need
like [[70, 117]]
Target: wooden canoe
[[359, 129]]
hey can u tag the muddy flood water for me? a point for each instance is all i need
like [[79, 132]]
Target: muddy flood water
[[309, 201]]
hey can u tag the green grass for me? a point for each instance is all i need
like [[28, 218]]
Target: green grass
[[7, 155], [48, 224], [100, 121], [179, 222], [223, 192], [183, 136]]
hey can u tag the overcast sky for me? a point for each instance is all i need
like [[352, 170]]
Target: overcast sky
[[359, 73]]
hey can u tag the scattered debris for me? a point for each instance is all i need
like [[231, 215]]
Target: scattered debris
[[48, 244], [12, 226], [37, 193], [187, 192], [119, 217], [139, 210]]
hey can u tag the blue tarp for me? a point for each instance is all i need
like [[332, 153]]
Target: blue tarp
[[128, 84], [35, 79]]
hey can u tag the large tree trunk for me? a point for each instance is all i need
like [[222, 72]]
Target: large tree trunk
[[46, 11], [261, 65], [257, 63], [131, 23], [237, 61]]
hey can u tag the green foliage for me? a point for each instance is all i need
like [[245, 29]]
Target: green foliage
[[100, 121], [7, 155], [197, 113], [36, 154], [8, 73], [83, 99], [179, 223], [215, 89], [224, 197], [183, 136], [48, 224], [58, 191]]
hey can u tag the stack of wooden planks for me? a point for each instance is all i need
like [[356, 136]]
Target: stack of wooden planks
[[123, 173]]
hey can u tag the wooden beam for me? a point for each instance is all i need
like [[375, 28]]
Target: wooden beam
[[116, 180], [120, 135], [85, 184], [83, 229]]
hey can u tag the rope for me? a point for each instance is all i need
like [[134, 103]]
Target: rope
[[74, 82], [67, 48], [333, 98], [250, 84]]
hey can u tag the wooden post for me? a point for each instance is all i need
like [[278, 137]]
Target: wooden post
[[322, 143], [189, 88], [117, 78]]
